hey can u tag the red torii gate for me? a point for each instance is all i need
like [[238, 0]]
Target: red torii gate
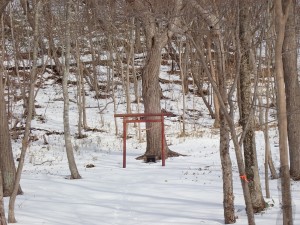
[[139, 118]]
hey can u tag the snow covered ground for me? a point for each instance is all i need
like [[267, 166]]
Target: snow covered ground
[[188, 190]]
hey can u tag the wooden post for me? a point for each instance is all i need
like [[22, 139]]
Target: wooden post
[[124, 141], [162, 141]]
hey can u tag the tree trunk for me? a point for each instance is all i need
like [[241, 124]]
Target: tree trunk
[[228, 196], [26, 138], [67, 134], [151, 96], [7, 164], [198, 79], [80, 92], [216, 115], [281, 15], [269, 89], [210, 18], [157, 35], [128, 53], [137, 44], [246, 117], [230, 121], [291, 80], [2, 211], [184, 86]]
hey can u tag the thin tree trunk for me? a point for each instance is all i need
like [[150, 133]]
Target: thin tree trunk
[[25, 141], [267, 148], [2, 211], [228, 196], [137, 44], [84, 115], [211, 19], [268, 154], [213, 73], [270, 88], [291, 80], [67, 134], [112, 69], [281, 15], [238, 151], [7, 164], [79, 92], [246, 117], [183, 87], [198, 79], [136, 93], [127, 81], [221, 89], [94, 78]]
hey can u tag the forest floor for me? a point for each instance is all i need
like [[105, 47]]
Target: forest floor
[[188, 190]]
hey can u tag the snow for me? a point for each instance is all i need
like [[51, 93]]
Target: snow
[[187, 191]]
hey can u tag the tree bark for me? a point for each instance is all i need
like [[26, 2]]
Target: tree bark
[[281, 15], [26, 138], [2, 211], [215, 115], [291, 80], [211, 21], [156, 38], [67, 133], [3, 5], [228, 196], [151, 96], [7, 164], [246, 117]]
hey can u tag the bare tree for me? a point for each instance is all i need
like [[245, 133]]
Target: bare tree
[[159, 20], [247, 104], [7, 164], [215, 39], [4, 136], [291, 80], [269, 54], [183, 76], [66, 68], [228, 196], [281, 15], [213, 73], [213, 23], [26, 138]]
